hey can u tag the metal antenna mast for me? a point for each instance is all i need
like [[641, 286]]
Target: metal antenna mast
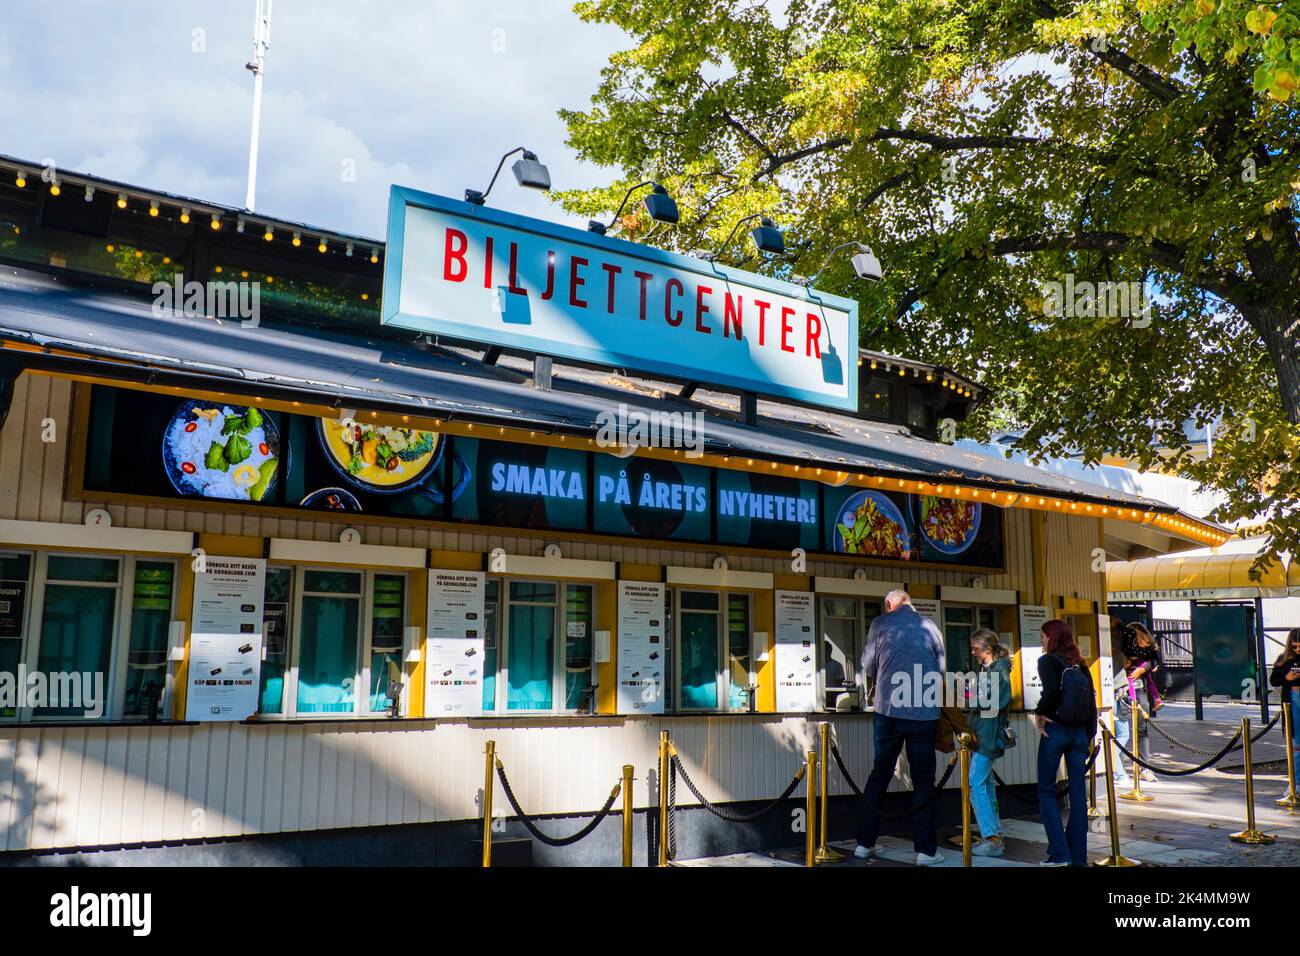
[[261, 43]]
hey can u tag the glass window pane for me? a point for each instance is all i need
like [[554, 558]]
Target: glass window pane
[[840, 607], [530, 657], [699, 650], [491, 630], [76, 639], [539, 591], [97, 570], [15, 567], [700, 600], [988, 618], [275, 637], [332, 582], [151, 612], [327, 666], [387, 619], [577, 647], [738, 651], [958, 626]]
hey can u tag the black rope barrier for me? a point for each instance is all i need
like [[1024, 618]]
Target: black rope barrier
[[1155, 725], [885, 814], [1062, 788], [1166, 772], [730, 815], [538, 834]]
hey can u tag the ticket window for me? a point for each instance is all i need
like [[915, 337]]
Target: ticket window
[[348, 629], [713, 664], [960, 621], [845, 622], [538, 646], [15, 595]]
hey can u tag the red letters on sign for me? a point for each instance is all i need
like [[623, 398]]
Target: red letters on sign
[[612, 270], [672, 318], [487, 264], [576, 283], [813, 342], [731, 314], [645, 278], [454, 252], [762, 318], [701, 309], [787, 313], [550, 275], [515, 287]]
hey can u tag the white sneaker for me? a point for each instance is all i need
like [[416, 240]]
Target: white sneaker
[[988, 848], [1051, 863], [865, 852], [925, 859]]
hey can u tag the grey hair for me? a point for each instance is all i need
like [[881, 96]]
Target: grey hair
[[898, 597], [989, 639]]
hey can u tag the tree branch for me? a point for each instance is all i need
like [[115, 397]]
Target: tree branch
[[1160, 87]]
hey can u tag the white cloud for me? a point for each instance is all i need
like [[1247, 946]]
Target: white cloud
[[426, 94]]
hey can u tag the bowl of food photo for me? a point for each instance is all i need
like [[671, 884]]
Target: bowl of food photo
[[216, 450], [870, 523], [948, 524], [383, 459]]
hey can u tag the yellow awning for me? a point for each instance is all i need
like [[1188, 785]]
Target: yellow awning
[[1202, 577], [1293, 578]]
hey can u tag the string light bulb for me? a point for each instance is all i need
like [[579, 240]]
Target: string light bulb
[[153, 208], [347, 250], [90, 194], [185, 214], [269, 234], [322, 246], [215, 222], [239, 224], [374, 254], [20, 179], [297, 238], [121, 200], [54, 187]]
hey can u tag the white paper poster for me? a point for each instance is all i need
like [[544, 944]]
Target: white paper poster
[[456, 647], [1032, 619], [456, 604], [228, 596], [225, 658], [931, 608], [223, 676], [641, 643], [1106, 663], [1030, 686], [796, 653], [455, 678]]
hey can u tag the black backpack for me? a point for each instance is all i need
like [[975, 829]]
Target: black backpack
[[1077, 705]]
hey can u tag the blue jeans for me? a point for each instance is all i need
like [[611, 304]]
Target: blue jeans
[[984, 795], [890, 734], [1295, 730], [1068, 844]]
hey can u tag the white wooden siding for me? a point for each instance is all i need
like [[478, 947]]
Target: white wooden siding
[[107, 786]]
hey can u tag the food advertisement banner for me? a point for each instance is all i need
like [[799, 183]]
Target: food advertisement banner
[[152, 445]]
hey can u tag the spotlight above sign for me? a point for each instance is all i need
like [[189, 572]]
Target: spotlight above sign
[[483, 275]]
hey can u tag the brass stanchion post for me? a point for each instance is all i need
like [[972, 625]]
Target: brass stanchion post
[[1116, 858], [627, 814], [1136, 793], [487, 802], [810, 813], [1093, 810], [1250, 834], [663, 798], [824, 853], [963, 767], [1290, 801]]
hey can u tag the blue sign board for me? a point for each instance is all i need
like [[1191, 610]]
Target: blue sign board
[[483, 275]]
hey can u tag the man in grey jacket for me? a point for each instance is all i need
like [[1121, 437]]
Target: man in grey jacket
[[904, 657]]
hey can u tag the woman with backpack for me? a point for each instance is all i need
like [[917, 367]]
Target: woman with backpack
[[1067, 721], [988, 722]]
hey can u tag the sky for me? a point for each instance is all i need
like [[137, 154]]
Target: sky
[[422, 93]]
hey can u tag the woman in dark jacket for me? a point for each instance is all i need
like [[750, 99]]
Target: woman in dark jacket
[[1286, 677], [1063, 736]]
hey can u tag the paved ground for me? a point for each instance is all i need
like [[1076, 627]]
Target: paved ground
[[1187, 824]]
